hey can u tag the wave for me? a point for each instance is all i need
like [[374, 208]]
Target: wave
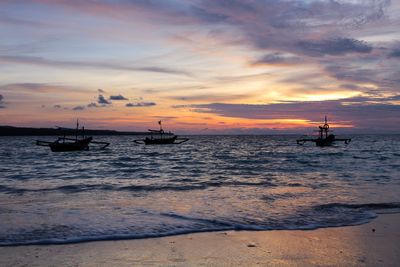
[[76, 188], [366, 207], [318, 216]]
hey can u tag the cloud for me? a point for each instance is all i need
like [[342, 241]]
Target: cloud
[[40, 88], [350, 86], [92, 105], [118, 97], [274, 24], [280, 25], [387, 78], [395, 53], [277, 59], [103, 101], [140, 104], [96, 105], [211, 97], [382, 113], [21, 22], [1, 101], [337, 46], [36, 87], [57, 106], [41, 61], [100, 90], [79, 108], [165, 118]]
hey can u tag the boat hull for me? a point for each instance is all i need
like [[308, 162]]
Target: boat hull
[[323, 142], [160, 141], [71, 146], [328, 141]]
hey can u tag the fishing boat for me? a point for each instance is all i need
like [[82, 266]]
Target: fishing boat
[[79, 143], [159, 137], [324, 137]]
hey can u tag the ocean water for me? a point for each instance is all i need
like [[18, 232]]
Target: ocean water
[[209, 183]]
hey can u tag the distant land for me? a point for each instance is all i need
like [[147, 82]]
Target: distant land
[[27, 131]]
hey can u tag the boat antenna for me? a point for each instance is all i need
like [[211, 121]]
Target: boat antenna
[[77, 129], [326, 127]]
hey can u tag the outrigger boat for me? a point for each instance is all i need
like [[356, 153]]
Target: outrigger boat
[[324, 138], [64, 144], [159, 137]]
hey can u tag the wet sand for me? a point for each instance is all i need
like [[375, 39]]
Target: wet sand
[[374, 244]]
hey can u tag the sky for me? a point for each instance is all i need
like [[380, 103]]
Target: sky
[[201, 66]]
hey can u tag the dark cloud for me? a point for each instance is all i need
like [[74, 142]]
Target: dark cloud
[[96, 105], [82, 64], [92, 105], [103, 101], [382, 113], [279, 25], [395, 53], [118, 97], [79, 108], [337, 46], [350, 86], [100, 90], [140, 104], [183, 106], [211, 97], [175, 89], [1, 101], [386, 78], [57, 106], [277, 59], [40, 88]]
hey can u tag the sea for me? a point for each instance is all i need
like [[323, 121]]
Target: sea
[[210, 183]]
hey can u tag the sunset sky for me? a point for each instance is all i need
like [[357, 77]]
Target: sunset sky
[[201, 66]]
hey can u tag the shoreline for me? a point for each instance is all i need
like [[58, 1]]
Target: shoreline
[[376, 243]]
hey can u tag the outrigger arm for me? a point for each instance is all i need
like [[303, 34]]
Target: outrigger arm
[[179, 139]]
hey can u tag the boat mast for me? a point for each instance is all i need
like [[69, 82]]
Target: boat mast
[[159, 122], [324, 129], [77, 129], [161, 129]]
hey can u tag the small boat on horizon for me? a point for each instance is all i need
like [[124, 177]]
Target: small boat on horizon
[[159, 137], [65, 144], [324, 138]]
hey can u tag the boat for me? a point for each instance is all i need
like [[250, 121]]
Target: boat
[[324, 137], [79, 143], [159, 137]]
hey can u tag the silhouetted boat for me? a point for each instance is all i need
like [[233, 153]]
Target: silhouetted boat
[[65, 144], [324, 139], [159, 137]]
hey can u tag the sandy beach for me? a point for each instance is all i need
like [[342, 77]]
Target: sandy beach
[[373, 244]]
